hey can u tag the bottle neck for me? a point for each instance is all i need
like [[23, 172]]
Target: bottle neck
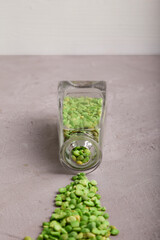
[[92, 134]]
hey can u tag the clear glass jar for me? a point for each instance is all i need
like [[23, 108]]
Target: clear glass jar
[[82, 106]]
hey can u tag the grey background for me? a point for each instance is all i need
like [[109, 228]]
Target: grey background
[[30, 172]]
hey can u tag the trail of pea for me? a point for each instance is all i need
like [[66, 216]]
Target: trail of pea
[[79, 214]]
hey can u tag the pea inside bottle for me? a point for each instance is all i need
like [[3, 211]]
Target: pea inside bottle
[[82, 115]]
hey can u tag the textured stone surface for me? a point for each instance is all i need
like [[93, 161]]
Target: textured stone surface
[[30, 172]]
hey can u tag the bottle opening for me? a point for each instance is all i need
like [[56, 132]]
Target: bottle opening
[[80, 153]]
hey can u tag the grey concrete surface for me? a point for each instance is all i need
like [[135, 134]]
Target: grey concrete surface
[[30, 172]]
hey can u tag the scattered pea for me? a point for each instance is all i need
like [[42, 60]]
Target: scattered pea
[[27, 238], [114, 232], [58, 203], [93, 182], [73, 234], [106, 215], [62, 190], [79, 214]]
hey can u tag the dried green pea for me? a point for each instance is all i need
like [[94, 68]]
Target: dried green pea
[[27, 238], [114, 232], [62, 190], [80, 113], [80, 154], [74, 219]]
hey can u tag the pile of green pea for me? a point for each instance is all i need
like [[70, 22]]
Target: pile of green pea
[[79, 214], [81, 155], [81, 113]]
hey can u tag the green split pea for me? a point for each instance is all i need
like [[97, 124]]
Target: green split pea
[[81, 155], [82, 115], [79, 214]]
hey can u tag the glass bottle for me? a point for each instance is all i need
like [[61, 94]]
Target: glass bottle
[[82, 106]]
